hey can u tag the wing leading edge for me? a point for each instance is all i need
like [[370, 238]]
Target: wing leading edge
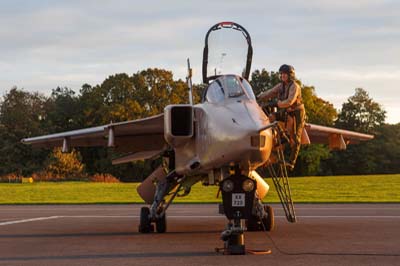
[[334, 137], [131, 136]]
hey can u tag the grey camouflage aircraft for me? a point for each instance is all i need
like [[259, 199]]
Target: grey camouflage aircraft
[[221, 141]]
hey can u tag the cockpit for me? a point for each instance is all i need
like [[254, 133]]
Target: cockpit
[[228, 86]]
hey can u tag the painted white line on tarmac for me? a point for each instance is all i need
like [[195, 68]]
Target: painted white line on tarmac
[[180, 207], [194, 216], [221, 216], [100, 216], [346, 208], [138, 216], [347, 216], [29, 220]]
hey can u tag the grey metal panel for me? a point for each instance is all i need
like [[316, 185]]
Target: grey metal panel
[[91, 132], [134, 135], [86, 141], [140, 143], [320, 134], [153, 124]]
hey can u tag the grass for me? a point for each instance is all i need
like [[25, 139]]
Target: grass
[[329, 189]]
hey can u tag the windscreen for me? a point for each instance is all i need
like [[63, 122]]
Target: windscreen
[[228, 86], [228, 51]]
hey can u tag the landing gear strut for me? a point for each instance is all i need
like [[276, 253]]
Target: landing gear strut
[[263, 221], [166, 188], [238, 196], [146, 225], [233, 238]]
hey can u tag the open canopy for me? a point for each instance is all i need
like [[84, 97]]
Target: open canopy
[[227, 50]]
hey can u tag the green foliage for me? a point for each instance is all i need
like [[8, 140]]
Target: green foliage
[[119, 98], [198, 92], [386, 151], [22, 114], [361, 113], [310, 157], [116, 99], [63, 111], [318, 111], [263, 80], [158, 89], [380, 155], [321, 112]]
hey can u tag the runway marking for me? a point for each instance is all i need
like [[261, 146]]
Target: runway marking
[[189, 217], [138, 216], [345, 208], [29, 220], [180, 208], [346, 216], [221, 216]]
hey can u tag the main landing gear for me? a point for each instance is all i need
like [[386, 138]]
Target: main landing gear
[[146, 223], [265, 223], [166, 191]]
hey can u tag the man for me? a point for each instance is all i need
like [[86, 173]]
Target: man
[[290, 107]]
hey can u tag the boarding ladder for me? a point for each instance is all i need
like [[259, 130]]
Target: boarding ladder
[[279, 174]]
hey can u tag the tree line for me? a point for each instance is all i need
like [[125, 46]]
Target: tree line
[[122, 97]]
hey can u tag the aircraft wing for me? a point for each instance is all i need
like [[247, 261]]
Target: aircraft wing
[[131, 136], [334, 137]]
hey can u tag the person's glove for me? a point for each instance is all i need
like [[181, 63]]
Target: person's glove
[[272, 103]]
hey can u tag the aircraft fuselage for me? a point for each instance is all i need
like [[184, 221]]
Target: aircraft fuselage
[[226, 133]]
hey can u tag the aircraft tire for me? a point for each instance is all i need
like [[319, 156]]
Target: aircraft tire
[[161, 224], [253, 224], [145, 222], [269, 221]]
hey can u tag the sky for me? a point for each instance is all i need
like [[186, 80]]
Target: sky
[[336, 46]]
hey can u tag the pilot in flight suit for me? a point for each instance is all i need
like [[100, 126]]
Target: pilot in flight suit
[[289, 103]]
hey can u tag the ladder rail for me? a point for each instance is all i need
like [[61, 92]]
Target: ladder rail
[[280, 178]]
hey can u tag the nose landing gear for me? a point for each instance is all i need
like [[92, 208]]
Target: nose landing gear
[[233, 238], [238, 195]]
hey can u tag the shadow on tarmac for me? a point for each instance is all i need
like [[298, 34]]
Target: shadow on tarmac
[[112, 256], [102, 234]]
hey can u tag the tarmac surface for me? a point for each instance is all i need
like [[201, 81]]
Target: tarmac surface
[[326, 234]]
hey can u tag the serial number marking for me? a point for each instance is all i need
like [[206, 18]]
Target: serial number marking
[[238, 200]]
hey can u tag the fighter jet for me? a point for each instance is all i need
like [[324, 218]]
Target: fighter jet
[[221, 141]]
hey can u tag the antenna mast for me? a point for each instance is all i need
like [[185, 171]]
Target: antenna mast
[[189, 82]]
